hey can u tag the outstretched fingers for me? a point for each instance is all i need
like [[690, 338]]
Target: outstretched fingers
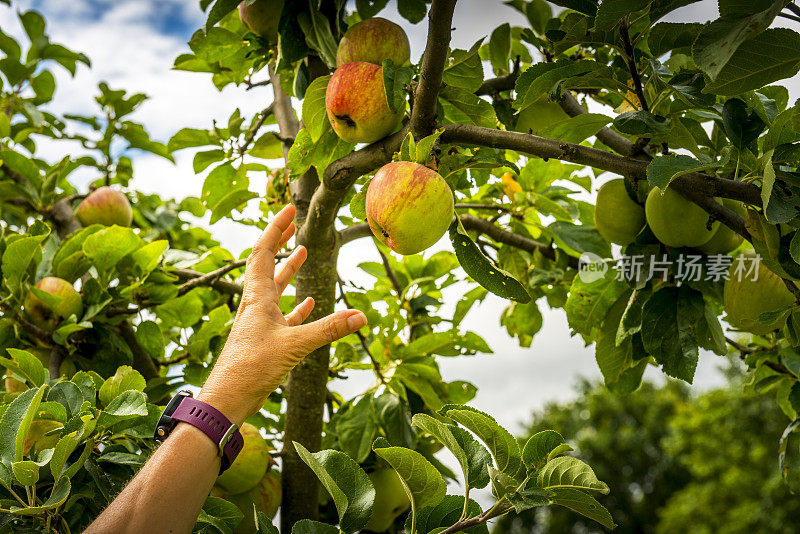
[[261, 262], [330, 328], [300, 312], [289, 268]]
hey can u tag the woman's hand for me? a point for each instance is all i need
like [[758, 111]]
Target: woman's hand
[[264, 345]]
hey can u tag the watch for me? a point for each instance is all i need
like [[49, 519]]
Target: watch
[[182, 407]]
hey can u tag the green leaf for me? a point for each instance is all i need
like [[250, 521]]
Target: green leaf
[[741, 126], [346, 482], [500, 48], [445, 434], [315, 117], [576, 129], [549, 79], [750, 68], [126, 378], [205, 158], [219, 10], [268, 146], [719, 41], [611, 12], [412, 10], [369, 8], [58, 496], [358, 204], [465, 70], [149, 336], [667, 36], [26, 365], [424, 485], [62, 451], [189, 138], [669, 321], [663, 169], [539, 447], [501, 443], [425, 147], [584, 504], [462, 107], [106, 247], [642, 122], [481, 269], [307, 526], [16, 421], [589, 302], [445, 514], [318, 34], [306, 153], [395, 80], [128, 403], [569, 472]]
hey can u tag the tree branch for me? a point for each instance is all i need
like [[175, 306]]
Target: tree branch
[[223, 286], [494, 86], [142, 361], [440, 21], [495, 511], [631, 61], [266, 112]]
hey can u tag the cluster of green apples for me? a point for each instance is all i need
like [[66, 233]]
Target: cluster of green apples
[[678, 222], [251, 482]]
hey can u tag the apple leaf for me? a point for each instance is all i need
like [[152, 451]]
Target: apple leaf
[[395, 80], [424, 485], [663, 169], [569, 472], [315, 117], [219, 10], [358, 204], [425, 147], [584, 504], [501, 443], [446, 514], [481, 269], [576, 129], [539, 447], [57, 497], [408, 149], [15, 422], [348, 484], [500, 48], [369, 8], [318, 34], [126, 378], [308, 526], [26, 365]]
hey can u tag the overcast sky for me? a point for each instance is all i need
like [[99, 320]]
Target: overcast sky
[[132, 44]]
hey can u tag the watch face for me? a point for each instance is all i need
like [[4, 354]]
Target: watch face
[[166, 423]]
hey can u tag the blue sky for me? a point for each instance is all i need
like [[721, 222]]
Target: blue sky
[[132, 44]]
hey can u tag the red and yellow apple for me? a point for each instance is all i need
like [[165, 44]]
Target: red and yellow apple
[[47, 316], [356, 104], [409, 206], [262, 17], [105, 206], [391, 499], [373, 40], [676, 221], [746, 299], [616, 216], [250, 465]]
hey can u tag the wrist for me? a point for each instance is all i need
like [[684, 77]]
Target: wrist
[[234, 410]]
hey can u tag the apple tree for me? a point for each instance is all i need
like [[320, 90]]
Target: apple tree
[[696, 143]]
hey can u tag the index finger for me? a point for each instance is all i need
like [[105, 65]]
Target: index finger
[[261, 262]]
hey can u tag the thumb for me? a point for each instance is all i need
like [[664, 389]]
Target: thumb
[[330, 328]]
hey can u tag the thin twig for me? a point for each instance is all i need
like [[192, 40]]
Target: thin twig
[[631, 61], [251, 134], [363, 340]]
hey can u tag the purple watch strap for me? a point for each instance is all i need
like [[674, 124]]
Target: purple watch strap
[[213, 424]]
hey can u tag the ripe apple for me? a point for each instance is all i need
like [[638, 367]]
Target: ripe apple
[[105, 206], [262, 17], [746, 299], [356, 104], [391, 499], [266, 497], [373, 40], [725, 239], [47, 317], [409, 206], [250, 466], [617, 217], [677, 222]]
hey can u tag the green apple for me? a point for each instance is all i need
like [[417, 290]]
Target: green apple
[[677, 222], [105, 206], [266, 497], [409, 206], [745, 299], [373, 40], [391, 499], [725, 239], [617, 217], [356, 104], [262, 17], [250, 466], [47, 316]]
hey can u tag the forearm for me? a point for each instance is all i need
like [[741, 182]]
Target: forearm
[[168, 492]]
